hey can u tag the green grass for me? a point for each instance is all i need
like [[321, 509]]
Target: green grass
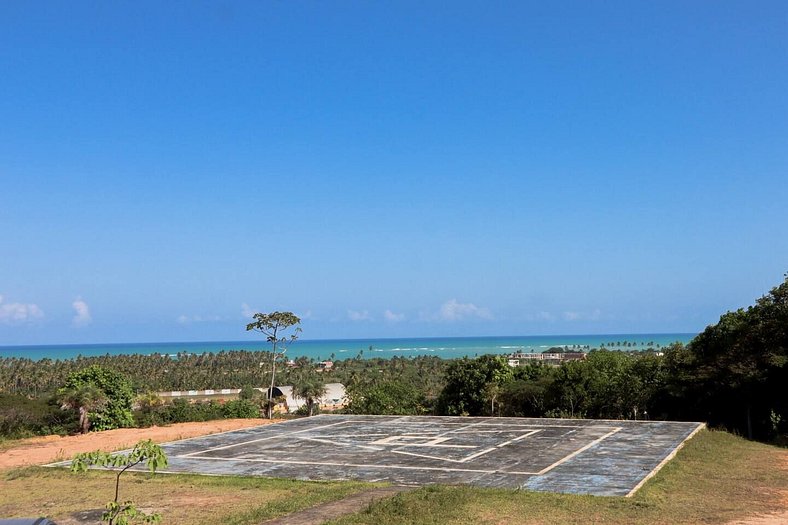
[[192, 499], [715, 478]]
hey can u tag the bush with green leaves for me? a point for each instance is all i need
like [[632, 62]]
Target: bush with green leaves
[[22, 417], [182, 411], [116, 411], [469, 382], [392, 398], [241, 408]]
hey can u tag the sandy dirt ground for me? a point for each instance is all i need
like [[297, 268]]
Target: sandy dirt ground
[[771, 518], [47, 449]]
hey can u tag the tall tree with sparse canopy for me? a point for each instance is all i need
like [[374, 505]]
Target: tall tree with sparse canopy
[[275, 327]]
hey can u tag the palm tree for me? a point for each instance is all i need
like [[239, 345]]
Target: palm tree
[[85, 399], [309, 387]]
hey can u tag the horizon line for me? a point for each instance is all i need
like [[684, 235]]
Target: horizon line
[[345, 339]]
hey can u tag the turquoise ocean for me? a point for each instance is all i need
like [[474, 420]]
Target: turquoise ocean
[[443, 347]]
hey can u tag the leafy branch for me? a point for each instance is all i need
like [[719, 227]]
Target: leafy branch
[[145, 452]]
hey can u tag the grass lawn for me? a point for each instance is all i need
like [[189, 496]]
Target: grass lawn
[[715, 478], [181, 499]]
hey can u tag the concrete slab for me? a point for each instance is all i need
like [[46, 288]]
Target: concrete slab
[[599, 457]]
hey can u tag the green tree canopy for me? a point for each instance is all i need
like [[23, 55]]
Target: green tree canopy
[[737, 369], [392, 397], [116, 411], [466, 391]]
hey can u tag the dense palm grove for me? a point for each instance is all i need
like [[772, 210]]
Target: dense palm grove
[[733, 374], [234, 369]]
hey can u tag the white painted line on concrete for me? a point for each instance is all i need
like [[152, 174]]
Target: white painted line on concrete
[[336, 464], [518, 438], [430, 445], [578, 451], [664, 461], [352, 436], [480, 453], [339, 443], [224, 447], [467, 458], [460, 429], [473, 456], [425, 456]]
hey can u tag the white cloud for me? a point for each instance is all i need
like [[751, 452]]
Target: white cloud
[[247, 311], [594, 315], [188, 319], [17, 313], [392, 317], [540, 316], [358, 316], [452, 311], [82, 315], [545, 316], [306, 315]]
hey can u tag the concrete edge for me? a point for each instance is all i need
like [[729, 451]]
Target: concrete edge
[[664, 462]]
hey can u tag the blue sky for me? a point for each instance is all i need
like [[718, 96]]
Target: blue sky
[[388, 168]]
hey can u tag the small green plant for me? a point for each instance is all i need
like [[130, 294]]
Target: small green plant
[[776, 420], [145, 452]]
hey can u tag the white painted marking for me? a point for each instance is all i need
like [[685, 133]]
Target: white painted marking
[[352, 436], [333, 464], [662, 463], [518, 438], [224, 447], [341, 444], [407, 441], [398, 439], [472, 456], [461, 428], [425, 456], [467, 458], [578, 451]]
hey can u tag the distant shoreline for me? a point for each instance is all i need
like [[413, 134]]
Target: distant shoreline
[[444, 347]]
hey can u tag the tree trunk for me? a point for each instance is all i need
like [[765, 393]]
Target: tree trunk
[[270, 410], [84, 422]]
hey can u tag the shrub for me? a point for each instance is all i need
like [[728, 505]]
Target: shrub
[[23, 417], [241, 408], [116, 413]]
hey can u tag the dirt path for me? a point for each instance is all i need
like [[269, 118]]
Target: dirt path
[[336, 509], [779, 517], [47, 449], [767, 519]]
